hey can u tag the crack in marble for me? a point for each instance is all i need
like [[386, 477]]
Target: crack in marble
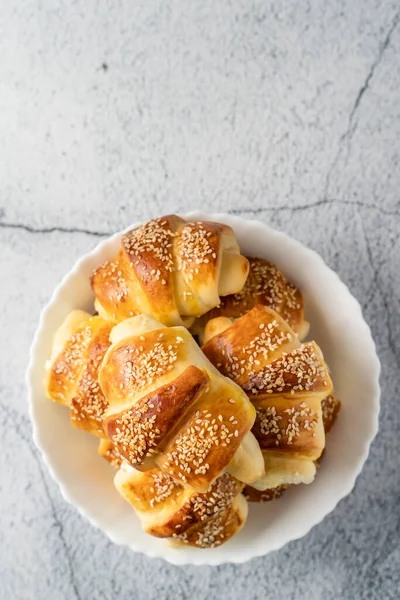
[[13, 416], [323, 202], [351, 124], [53, 229], [239, 211]]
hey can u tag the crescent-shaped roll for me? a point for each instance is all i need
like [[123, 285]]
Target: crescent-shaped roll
[[79, 346], [286, 382], [281, 471], [165, 507], [171, 270], [264, 285], [169, 407]]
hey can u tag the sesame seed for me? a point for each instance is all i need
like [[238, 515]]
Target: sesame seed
[[299, 370], [154, 239], [285, 426], [191, 448], [194, 246], [141, 367]]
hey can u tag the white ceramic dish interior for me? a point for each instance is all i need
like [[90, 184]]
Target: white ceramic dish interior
[[86, 480]]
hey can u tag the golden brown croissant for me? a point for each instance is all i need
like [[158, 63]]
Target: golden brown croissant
[[286, 381], [165, 507], [264, 285], [72, 371], [330, 410], [171, 270], [169, 407]]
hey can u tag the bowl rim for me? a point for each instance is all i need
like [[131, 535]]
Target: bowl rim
[[174, 556]]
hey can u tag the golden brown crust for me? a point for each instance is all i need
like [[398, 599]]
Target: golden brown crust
[[150, 493], [293, 309], [200, 507], [168, 269], [256, 339], [137, 363], [139, 278], [145, 427], [301, 371], [330, 410], [165, 507], [285, 380], [67, 367], [253, 495], [265, 285], [217, 529], [78, 349], [169, 406], [211, 436], [89, 403], [289, 425], [149, 257], [197, 249], [109, 452]]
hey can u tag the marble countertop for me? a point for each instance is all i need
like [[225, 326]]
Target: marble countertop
[[114, 112]]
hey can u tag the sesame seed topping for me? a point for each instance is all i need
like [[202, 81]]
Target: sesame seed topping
[[152, 238], [136, 436], [286, 425], [163, 487], [258, 349], [330, 409], [265, 285], [195, 247], [89, 403], [111, 454], [72, 359], [141, 367], [192, 448], [217, 499], [302, 369]]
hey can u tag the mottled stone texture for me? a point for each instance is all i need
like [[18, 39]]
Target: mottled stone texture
[[112, 112]]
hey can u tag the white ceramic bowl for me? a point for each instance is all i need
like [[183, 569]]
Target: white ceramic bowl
[[86, 480]]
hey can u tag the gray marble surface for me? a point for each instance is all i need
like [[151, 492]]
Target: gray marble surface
[[111, 112]]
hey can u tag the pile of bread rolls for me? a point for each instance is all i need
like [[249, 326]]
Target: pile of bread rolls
[[194, 376]]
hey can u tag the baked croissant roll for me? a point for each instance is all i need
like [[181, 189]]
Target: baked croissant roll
[[171, 270], [165, 507], [264, 285], [330, 410], [72, 372], [169, 407], [286, 382]]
